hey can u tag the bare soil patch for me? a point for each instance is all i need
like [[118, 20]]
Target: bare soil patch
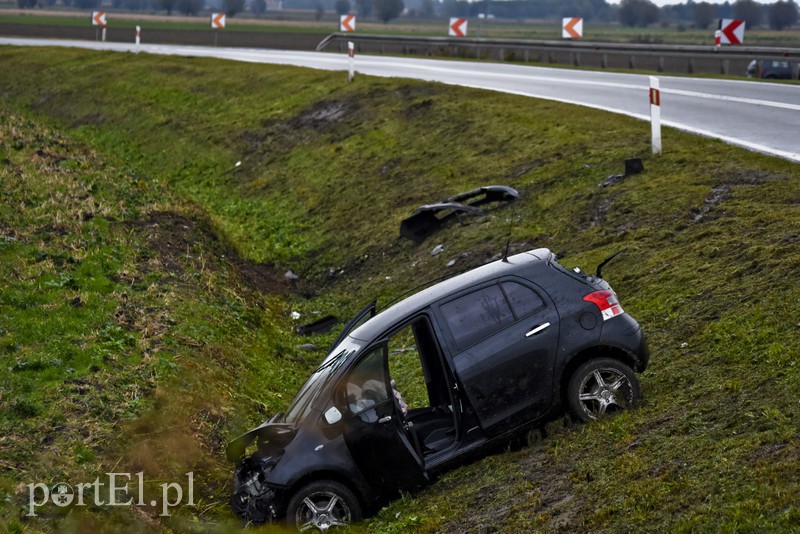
[[179, 242]]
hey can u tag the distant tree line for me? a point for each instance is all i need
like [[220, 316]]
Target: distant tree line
[[529, 9], [778, 15]]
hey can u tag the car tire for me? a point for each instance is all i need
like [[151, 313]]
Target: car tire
[[602, 386], [321, 505]]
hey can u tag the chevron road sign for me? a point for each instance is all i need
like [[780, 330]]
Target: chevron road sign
[[457, 28], [571, 28], [731, 32], [347, 23], [218, 21], [99, 18]]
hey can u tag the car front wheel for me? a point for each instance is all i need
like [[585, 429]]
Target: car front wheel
[[322, 505], [602, 386]]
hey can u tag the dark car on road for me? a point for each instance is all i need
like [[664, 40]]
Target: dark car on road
[[776, 69], [414, 390]]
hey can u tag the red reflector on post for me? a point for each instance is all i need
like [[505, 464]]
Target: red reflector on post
[[607, 302]]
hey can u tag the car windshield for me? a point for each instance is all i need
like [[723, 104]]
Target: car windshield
[[304, 399]]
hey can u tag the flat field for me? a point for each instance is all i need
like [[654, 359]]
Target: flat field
[[15, 21]]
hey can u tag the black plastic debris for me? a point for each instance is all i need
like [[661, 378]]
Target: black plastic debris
[[632, 166], [318, 327], [429, 218]]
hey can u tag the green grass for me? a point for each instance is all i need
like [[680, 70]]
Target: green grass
[[120, 188]]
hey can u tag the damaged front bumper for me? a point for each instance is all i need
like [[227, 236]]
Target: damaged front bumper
[[252, 498]]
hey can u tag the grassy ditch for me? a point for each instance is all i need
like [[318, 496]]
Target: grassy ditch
[[150, 206]]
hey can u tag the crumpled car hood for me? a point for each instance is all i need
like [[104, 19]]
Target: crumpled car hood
[[277, 434]]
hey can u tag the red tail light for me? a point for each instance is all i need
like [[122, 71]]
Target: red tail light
[[607, 302]]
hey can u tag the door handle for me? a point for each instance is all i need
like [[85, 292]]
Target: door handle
[[385, 419], [537, 329]]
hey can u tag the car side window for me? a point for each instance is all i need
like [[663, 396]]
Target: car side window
[[524, 301], [366, 384], [477, 315]]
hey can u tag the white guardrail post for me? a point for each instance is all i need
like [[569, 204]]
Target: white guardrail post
[[351, 54], [655, 114]]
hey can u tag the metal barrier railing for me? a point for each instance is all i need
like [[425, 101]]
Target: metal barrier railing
[[658, 57]]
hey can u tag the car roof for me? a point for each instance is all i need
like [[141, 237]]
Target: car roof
[[428, 296]]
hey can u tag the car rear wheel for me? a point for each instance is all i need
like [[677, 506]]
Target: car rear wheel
[[322, 505], [602, 386]]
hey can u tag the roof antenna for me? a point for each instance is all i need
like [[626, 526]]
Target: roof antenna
[[510, 229]]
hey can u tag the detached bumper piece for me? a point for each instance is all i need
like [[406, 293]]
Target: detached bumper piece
[[429, 218]]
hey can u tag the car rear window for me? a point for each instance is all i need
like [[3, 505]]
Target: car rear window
[[524, 301]]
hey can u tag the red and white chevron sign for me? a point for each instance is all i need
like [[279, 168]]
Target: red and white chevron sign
[[731, 32], [347, 23], [99, 18], [458, 27], [218, 21], [571, 28]]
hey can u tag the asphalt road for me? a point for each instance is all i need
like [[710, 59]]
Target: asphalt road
[[763, 117]]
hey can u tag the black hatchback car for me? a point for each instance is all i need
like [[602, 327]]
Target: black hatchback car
[[407, 393]]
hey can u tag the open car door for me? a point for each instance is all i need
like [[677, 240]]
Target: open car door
[[367, 313], [374, 430]]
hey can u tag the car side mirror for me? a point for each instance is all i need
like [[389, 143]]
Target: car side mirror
[[333, 415]]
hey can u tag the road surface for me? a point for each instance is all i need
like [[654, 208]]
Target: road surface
[[763, 117]]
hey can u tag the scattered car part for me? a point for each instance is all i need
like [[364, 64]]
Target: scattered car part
[[428, 218], [632, 166], [320, 326]]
